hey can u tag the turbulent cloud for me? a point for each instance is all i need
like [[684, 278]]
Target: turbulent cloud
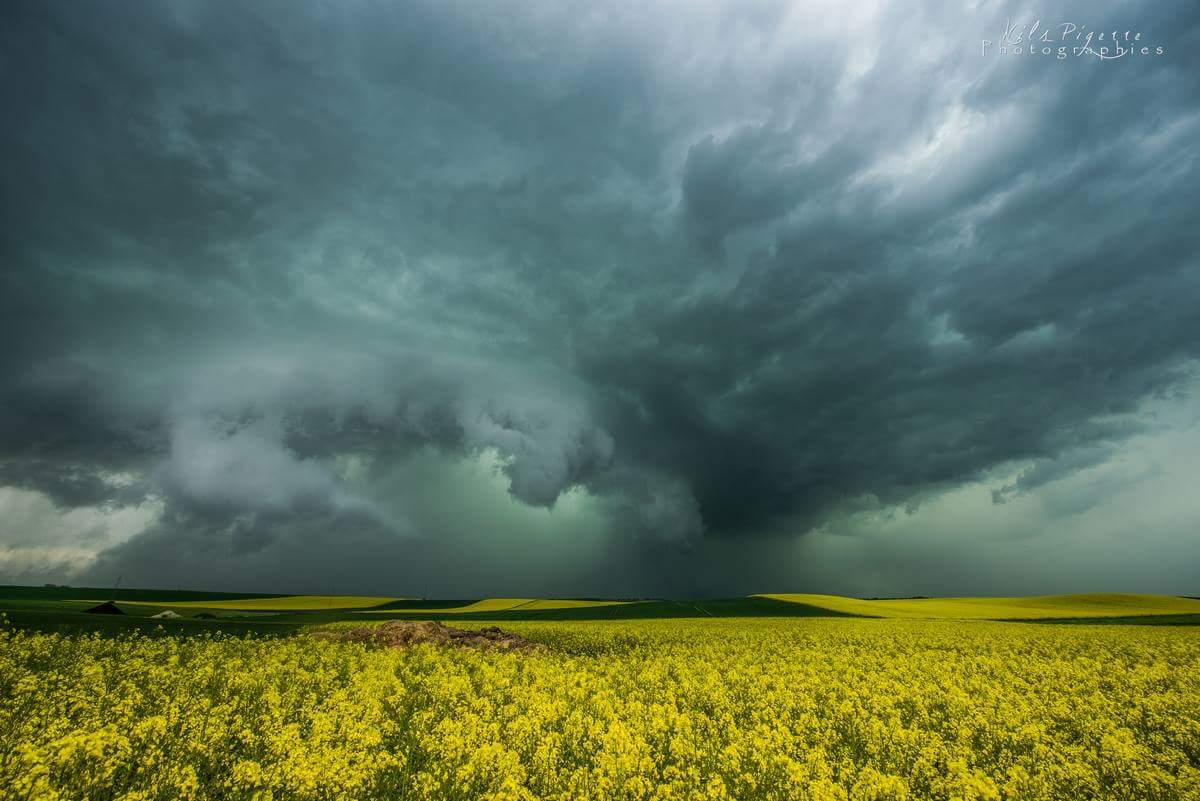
[[729, 271]]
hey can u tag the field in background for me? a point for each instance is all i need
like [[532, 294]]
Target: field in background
[[285, 603], [55, 608], [494, 605], [1031, 608]]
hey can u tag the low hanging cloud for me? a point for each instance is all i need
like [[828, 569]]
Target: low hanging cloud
[[727, 272]]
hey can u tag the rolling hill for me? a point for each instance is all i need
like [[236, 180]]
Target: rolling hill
[[1098, 605]]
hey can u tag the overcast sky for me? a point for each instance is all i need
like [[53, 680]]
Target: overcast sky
[[546, 298]]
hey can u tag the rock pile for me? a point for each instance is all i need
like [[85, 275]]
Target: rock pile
[[404, 633]]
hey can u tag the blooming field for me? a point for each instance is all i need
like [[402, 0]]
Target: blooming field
[[723, 708], [1045, 606]]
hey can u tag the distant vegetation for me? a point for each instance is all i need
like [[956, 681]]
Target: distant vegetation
[[1034, 607], [57, 608], [285, 603], [494, 605]]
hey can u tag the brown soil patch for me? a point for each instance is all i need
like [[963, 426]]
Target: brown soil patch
[[403, 633]]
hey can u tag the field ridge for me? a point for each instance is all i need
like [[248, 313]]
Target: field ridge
[[1037, 607]]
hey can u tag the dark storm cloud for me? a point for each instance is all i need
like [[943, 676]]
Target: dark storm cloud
[[730, 268], [1046, 471]]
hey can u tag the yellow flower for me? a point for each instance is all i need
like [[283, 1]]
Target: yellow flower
[[819, 709]]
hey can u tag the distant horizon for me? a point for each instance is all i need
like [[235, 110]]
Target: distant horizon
[[255, 593]]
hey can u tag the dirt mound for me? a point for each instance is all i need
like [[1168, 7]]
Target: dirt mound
[[403, 633]]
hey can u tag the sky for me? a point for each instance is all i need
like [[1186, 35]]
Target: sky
[[670, 299]]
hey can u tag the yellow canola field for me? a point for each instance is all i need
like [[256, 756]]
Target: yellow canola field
[[288, 603], [557, 603], [486, 605], [817, 709], [1035, 607]]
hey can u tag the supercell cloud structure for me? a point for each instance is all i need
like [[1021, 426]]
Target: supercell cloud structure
[[617, 298]]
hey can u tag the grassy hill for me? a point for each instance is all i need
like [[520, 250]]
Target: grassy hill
[[50, 608], [285, 603], [9, 592], [1031, 608], [492, 605]]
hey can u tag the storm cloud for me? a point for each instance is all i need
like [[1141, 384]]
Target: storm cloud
[[547, 296]]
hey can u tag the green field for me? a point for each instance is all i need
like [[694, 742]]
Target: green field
[[60, 593], [286, 603], [493, 605], [62, 608], [1031, 608]]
